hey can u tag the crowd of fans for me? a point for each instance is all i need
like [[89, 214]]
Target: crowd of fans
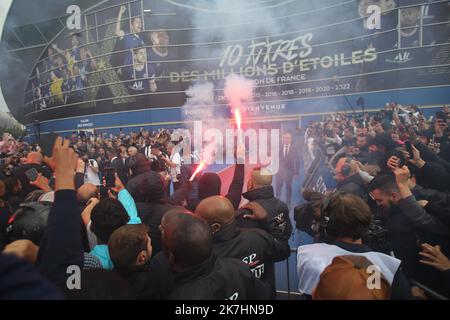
[[131, 237], [118, 217], [392, 172]]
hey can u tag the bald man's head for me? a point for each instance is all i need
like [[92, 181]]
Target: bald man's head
[[86, 192], [34, 157], [261, 177], [187, 242], [171, 216], [215, 210]]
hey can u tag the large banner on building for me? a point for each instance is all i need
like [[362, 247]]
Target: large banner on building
[[145, 54]]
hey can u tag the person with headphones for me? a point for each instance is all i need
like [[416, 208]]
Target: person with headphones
[[345, 221]]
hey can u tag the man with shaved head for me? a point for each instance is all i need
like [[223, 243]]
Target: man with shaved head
[[188, 244], [161, 279], [260, 190], [86, 192], [34, 157], [216, 210], [255, 247], [34, 160], [277, 222]]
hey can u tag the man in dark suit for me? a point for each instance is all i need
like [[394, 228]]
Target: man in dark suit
[[121, 164], [289, 166], [146, 149]]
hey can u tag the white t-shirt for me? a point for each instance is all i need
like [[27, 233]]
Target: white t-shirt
[[312, 259], [90, 176], [175, 157]]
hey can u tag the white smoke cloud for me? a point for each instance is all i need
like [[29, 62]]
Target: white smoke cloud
[[236, 20], [200, 107], [238, 91]]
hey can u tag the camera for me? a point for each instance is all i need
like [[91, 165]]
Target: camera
[[376, 237]]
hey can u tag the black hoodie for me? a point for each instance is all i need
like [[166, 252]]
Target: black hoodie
[[219, 279], [277, 223], [255, 247]]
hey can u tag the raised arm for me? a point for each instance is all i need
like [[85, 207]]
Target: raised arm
[[119, 31], [412, 209], [235, 190], [79, 174], [86, 214], [127, 201], [61, 245]]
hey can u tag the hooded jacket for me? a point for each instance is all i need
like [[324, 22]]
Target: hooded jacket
[[255, 247], [405, 236], [148, 189], [154, 282], [219, 279], [277, 223], [211, 184], [151, 215]]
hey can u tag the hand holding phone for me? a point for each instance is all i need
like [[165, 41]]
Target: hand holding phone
[[408, 148], [110, 177], [46, 142]]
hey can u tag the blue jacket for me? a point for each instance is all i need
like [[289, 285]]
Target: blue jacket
[[101, 251]]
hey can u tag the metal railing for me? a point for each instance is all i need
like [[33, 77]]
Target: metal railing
[[288, 279]]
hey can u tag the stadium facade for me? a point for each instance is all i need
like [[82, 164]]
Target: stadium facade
[[129, 64]]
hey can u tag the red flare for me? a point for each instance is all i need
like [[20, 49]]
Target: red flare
[[200, 167], [237, 116]]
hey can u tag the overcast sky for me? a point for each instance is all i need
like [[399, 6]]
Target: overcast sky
[[4, 6]]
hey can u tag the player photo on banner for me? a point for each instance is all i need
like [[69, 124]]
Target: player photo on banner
[[145, 54]]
